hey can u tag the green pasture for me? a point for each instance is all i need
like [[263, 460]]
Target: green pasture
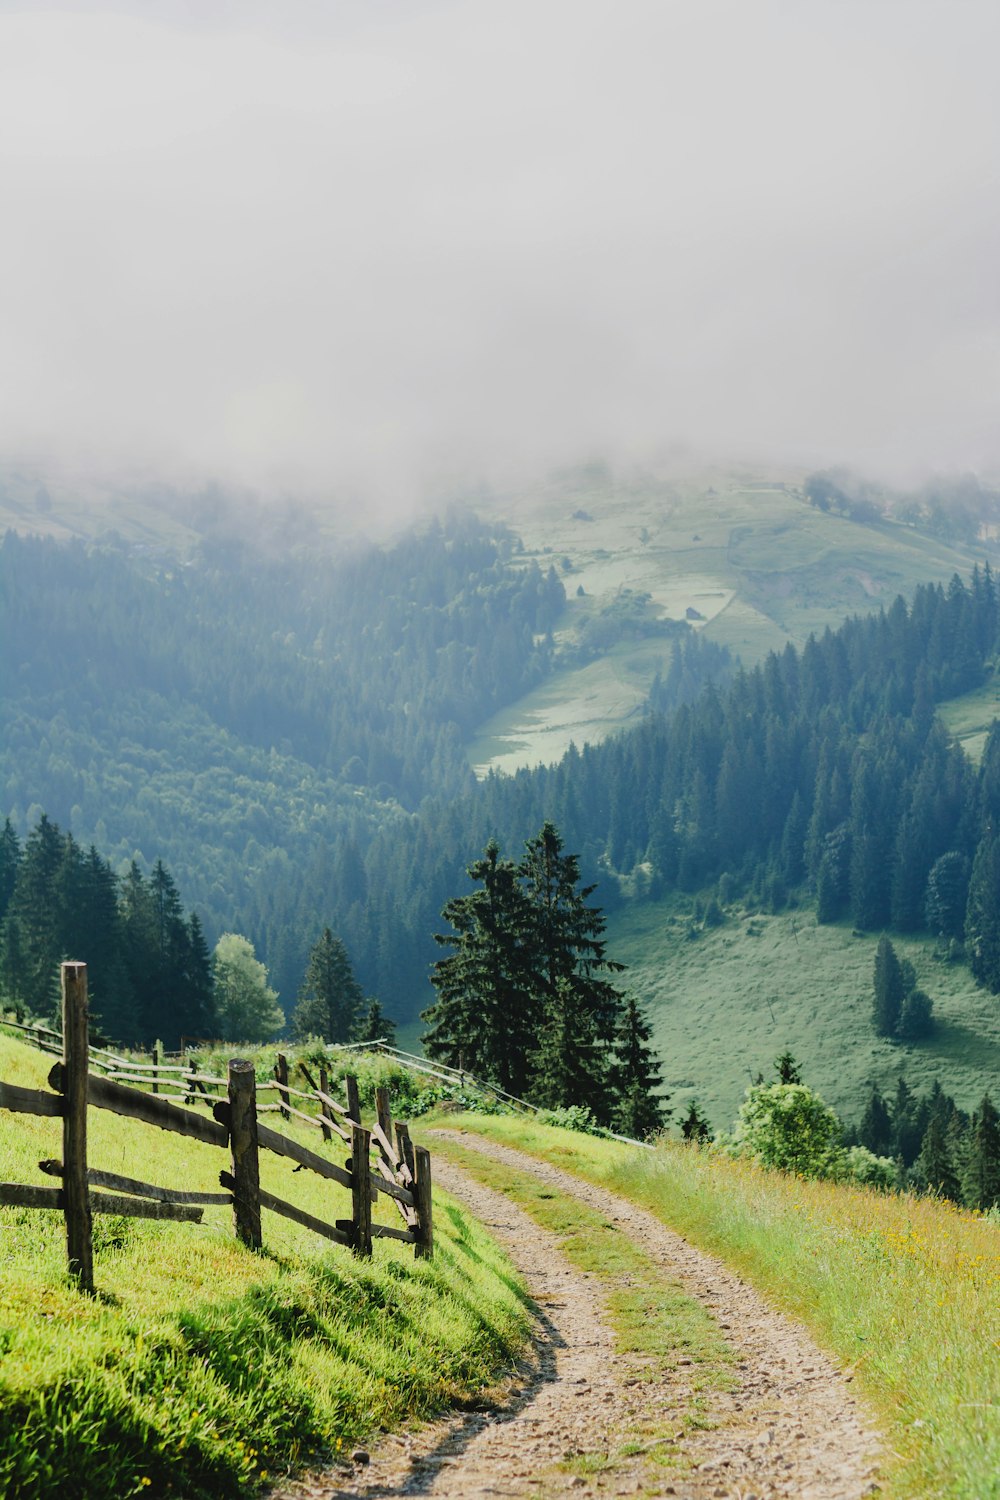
[[724, 1004], [969, 717]]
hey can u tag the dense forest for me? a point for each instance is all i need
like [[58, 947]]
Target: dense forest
[[824, 768], [287, 736]]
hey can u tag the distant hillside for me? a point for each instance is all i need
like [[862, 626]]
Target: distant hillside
[[755, 564]]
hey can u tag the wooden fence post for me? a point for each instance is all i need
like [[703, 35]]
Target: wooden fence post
[[353, 1099], [425, 1211], [405, 1148], [157, 1059], [422, 1193], [324, 1088], [281, 1074], [76, 1056], [383, 1113], [361, 1189], [243, 1144]]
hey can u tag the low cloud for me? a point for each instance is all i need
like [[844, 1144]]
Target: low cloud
[[366, 246]]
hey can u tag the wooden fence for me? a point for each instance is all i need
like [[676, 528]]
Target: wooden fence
[[402, 1171]]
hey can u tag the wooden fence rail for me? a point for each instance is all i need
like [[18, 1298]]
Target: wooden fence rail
[[403, 1173]]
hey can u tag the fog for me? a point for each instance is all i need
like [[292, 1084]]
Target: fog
[[374, 247]]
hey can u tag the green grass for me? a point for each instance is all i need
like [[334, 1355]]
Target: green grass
[[725, 1004], [905, 1292], [199, 1368], [969, 718]]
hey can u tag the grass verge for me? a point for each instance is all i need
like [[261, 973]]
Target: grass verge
[[904, 1291], [201, 1369]]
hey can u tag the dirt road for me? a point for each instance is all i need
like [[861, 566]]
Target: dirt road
[[578, 1407]]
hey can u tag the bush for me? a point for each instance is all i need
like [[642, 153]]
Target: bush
[[789, 1126]]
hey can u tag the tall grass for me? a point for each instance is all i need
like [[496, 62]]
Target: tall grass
[[904, 1291], [201, 1368]]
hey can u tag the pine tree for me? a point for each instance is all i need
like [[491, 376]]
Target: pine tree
[[486, 1016], [948, 895], [982, 918], [566, 943], [695, 1126], [787, 1068], [889, 991], [570, 1065], [636, 1076], [35, 912], [936, 1163], [875, 1131], [10, 860], [981, 1177], [375, 1026], [330, 997]]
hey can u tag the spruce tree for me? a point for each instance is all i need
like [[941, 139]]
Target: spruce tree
[[330, 998], [695, 1126], [982, 918], [889, 989], [487, 1012], [375, 1026], [936, 1163], [787, 1068], [10, 859], [981, 1177], [875, 1131], [566, 944], [636, 1077], [570, 1065]]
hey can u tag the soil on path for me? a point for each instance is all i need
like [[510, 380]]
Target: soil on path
[[790, 1427]]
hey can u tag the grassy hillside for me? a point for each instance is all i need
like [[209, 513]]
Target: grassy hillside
[[201, 1367], [725, 1003], [744, 550]]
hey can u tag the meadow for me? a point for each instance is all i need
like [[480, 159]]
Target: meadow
[[904, 1292], [200, 1368], [726, 1002]]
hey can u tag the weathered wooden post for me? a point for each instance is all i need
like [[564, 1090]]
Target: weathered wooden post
[[157, 1059], [324, 1088], [383, 1114], [405, 1148], [281, 1074], [353, 1099], [361, 1189], [422, 1193], [243, 1144], [76, 1056]]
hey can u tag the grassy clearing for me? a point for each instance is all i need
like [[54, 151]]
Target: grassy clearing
[[201, 1368], [904, 1291], [651, 1315], [969, 717], [725, 1004]]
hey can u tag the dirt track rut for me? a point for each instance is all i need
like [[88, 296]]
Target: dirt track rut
[[791, 1427]]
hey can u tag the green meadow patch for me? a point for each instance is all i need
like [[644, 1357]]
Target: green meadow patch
[[724, 1003], [201, 1369]]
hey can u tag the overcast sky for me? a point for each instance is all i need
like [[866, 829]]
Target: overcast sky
[[369, 242]]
